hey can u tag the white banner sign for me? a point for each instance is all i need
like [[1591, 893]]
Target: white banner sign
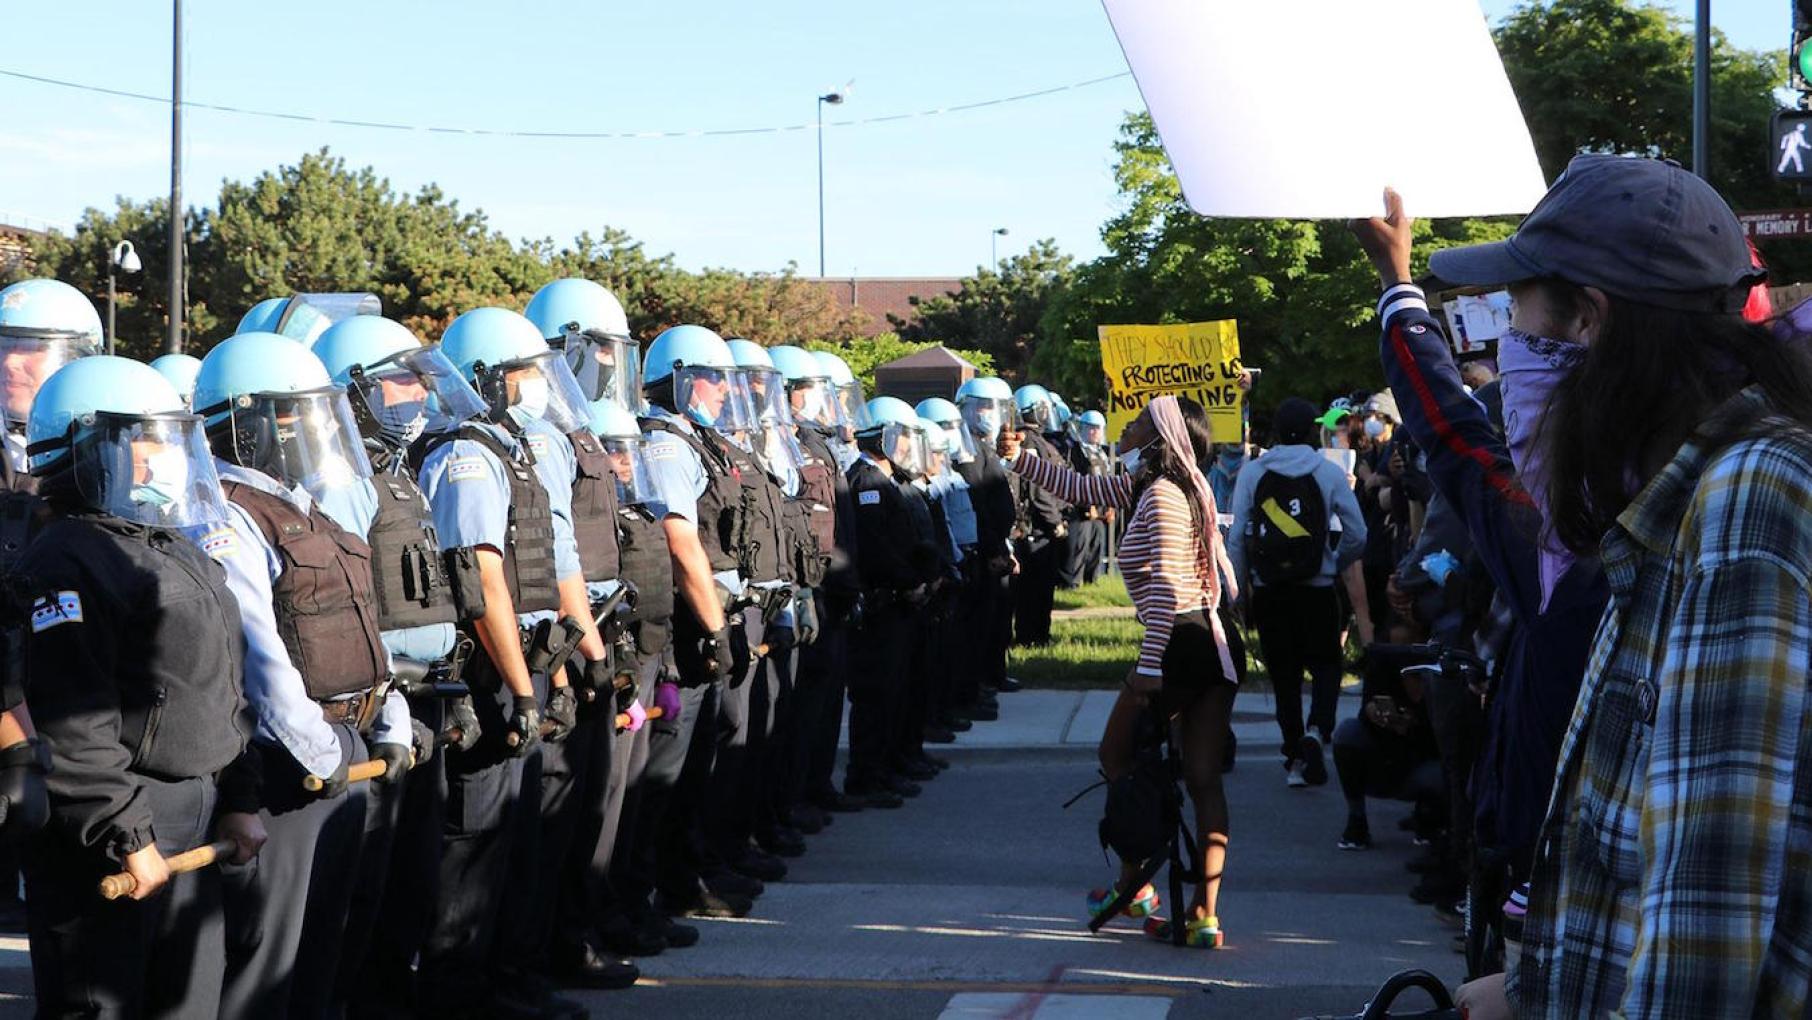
[[1308, 109]]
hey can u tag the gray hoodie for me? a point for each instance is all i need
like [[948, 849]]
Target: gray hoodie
[[1345, 519]]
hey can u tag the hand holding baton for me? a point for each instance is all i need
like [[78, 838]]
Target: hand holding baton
[[624, 718], [123, 884], [356, 774]]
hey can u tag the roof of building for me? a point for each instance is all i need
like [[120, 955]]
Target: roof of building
[[881, 296], [939, 357]]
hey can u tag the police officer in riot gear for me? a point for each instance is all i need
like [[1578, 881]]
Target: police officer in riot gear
[[987, 407], [586, 323], [134, 665], [1042, 527], [420, 593], [316, 668], [957, 642]]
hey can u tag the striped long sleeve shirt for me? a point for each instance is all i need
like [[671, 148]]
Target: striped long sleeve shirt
[[1161, 555]]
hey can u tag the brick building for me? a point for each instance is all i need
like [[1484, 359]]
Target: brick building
[[881, 296]]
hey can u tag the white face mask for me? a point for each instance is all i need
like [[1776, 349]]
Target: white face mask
[[532, 396], [169, 471], [1374, 427], [1131, 459]]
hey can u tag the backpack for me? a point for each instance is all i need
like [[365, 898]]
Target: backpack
[[1287, 529]]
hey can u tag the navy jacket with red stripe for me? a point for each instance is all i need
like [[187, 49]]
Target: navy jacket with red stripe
[[1545, 656]]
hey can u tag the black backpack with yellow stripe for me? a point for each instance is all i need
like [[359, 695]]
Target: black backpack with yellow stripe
[[1287, 528]]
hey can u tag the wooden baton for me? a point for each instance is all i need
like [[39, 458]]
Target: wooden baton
[[356, 774], [654, 713], [123, 884]]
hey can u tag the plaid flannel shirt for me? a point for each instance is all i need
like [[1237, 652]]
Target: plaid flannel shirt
[[1674, 873]]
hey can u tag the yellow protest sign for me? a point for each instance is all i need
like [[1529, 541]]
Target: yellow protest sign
[[1198, 360]]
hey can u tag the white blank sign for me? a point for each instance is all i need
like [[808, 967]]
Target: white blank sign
[[1307, 109]]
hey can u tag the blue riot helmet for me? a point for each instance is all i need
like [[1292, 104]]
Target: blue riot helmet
[[987, 406], [901, 435], [949, 418], [1063, 412], [848, 388], [116, 435], [504, 356], [44, 325], [626, 447], [690, 371], [1036, 408], [397, 387], [271, 406], [1092, 428], [304, 317], [180, 370], [586, 323], [809, 389], [774, 441]]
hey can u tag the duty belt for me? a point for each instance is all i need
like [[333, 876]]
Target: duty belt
[[358, 711]]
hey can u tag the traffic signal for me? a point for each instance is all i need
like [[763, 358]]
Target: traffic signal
[[1800, 56]]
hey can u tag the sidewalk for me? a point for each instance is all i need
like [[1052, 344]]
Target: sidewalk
[[1045, 719]]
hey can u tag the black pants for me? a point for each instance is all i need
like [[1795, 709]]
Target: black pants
[[878, 656], [1299, 629], [492, 797], [404, 910], [780, 756], [574, 779], [586, 894], [1033, 591], [744, 720], [366, 919], [637, 871], [1370, 765], [286, 909], [160, 957], [822, 683]]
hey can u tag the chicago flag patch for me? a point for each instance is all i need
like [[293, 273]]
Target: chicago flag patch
[[46, 613]]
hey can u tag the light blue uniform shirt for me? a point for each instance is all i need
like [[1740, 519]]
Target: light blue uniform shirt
[[286, 715], [355, 507], [679, 479], [468, 492], [952, 493]]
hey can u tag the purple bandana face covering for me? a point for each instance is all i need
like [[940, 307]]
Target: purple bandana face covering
[[1529, 368]]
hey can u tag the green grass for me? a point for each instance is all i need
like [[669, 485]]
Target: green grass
[[1095, 654], [1108, 590]]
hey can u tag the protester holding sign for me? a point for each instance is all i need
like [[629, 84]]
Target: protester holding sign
[[1671, 877]]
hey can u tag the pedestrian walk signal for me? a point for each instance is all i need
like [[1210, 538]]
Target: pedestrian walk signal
[[1792, 153]]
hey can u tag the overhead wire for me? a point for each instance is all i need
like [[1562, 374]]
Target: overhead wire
[[190, 104]]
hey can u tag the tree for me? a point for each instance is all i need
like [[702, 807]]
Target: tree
[[997, 310]]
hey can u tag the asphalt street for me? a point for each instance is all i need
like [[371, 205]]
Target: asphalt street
[[968, 903]]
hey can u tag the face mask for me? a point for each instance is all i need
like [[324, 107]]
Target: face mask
[[532, 395], [1374, 427], [169, 471], [987, 424], [1230, 459], [403, 421], [1131, 459], [1529, 368]]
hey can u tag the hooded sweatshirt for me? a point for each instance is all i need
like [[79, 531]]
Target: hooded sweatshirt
[[1346, 523]]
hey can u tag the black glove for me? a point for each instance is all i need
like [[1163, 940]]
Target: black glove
[[524, 726], [395, 758], [422, 740], [595, 678], [462, 729], [24, 805], [715, 650], [562, 714], [334, 785], [626, 692]]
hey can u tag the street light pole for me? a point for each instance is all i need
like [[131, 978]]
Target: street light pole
[[833, 98], [173, 343], [993, 252], [1701, 90], [122, 259]]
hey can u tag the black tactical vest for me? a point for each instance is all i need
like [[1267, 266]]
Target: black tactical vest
[[594, 508], [408, 570], [647, 564], [326, 612], [528, 552], [720, 509], [764, 551]]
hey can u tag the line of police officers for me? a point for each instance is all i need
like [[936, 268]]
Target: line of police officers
[[476, 664]]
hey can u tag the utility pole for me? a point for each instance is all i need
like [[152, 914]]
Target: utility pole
[[173, 344], [1701, 91]]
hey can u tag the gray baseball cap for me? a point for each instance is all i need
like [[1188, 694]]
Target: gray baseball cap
[[1642, 229]]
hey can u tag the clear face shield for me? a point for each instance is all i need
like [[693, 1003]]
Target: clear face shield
[[959, 442], [717, 398], [406, 392], [986, 416], [774, 442], [854, 405], [308, 439], [606, 367], [541, 386], [151, 469], [627, 460], [906, 448], [27, 358], [815, 401], [1093, 435], [1041, 415]]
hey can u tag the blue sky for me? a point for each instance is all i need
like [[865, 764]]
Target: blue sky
[[918, 196]]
